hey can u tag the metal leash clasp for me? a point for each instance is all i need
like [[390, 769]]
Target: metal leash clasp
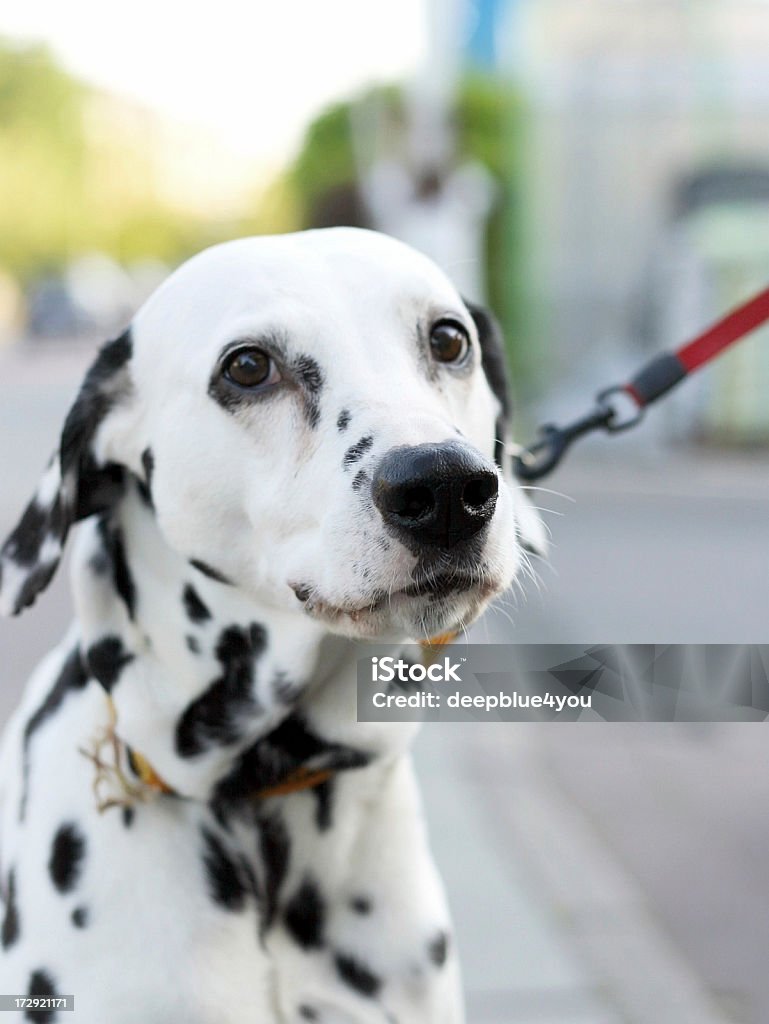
[[544, 454]]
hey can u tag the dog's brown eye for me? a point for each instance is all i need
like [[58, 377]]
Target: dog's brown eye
[[449, 342], [251, 368]]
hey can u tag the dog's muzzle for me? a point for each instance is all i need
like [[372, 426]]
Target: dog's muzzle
[[435, 495]]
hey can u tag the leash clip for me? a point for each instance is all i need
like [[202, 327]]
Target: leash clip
[[543, 456]]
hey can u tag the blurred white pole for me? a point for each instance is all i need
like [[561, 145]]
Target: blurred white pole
[[430, 95]]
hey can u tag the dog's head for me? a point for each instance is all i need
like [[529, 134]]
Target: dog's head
[[313, 419]]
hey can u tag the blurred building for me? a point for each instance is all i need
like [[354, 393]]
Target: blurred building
[[628, 100]]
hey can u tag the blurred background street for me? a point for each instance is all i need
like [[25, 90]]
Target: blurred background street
[[597, 171]]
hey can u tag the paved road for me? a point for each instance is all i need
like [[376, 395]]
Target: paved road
[[599, 874]]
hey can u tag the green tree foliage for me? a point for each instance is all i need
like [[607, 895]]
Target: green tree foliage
[[58, 195], [41, 157]]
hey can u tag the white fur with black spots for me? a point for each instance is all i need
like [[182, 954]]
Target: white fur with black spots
[[290, 452]]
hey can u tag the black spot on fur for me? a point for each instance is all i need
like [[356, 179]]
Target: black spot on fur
[[128, 816], [70, 679], [357, 975], [359, 480], [35, 581], [324, 804], [281, 752], [114, 546], [66, 861], [356, 452], [196, 610], [144, 493], [216, 716], [438, 949], [225, 883], [106, 659], [148, 465], [207, 570], [80, 917], [24, 544], [310, 374], [192, 644], [98, 487], [343, 420], [10, 929], [237, 646], [308, 1012], [305, 915], [275, 851], [311, 377], [361, 904], [41, 984], [124, 583]]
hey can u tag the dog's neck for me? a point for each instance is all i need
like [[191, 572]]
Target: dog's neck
[[222, 694]]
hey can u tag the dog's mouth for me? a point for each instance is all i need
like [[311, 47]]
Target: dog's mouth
[[430, 587], [442, 584]]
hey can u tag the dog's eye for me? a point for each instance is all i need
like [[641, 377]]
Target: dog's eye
[[251, 368], [449, 341]]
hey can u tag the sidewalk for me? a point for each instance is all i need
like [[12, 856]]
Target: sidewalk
[[551, 929]]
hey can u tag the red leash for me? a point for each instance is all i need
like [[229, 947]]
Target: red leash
[[653, 381]]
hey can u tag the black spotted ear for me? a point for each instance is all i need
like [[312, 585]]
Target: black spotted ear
[[531, 532], [495, 367], [77, 483]]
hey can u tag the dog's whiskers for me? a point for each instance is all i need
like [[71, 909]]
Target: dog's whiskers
[[547, 490]]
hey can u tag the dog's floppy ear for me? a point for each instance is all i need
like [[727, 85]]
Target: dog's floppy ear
[[78, 482], [495, 367], [531, 532]]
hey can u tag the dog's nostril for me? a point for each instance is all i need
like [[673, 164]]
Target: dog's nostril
[[477, 493], [413, 502]]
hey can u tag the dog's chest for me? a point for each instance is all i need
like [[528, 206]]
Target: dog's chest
[[325, 900]]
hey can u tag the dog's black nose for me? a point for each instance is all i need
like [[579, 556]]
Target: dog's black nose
[[435, 495]]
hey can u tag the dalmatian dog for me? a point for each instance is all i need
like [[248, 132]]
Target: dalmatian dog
[[290, 452]]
